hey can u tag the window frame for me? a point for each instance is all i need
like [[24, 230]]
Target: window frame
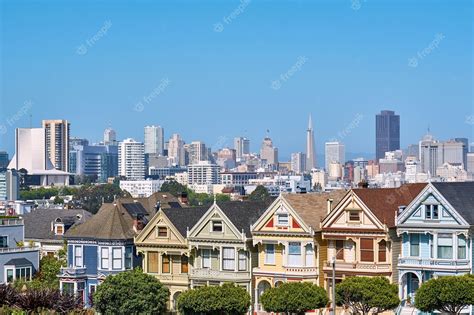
[[308, 256], [213, 225], [5, 237], [128, 263], [445, 236], [295, 259], [464, 248], [411, 244], [156, 267], [206, 258], [358, 213], [269, 258], [230, 259], [184, 262], [168, 262], [339, 250], [104, 249], [76, 256], [382, 250], [366, 250], [115, 259], [286, 222], [242, 264], [158, 231]]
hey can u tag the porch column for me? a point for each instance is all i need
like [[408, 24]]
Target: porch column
[[236, 259], [256, 298]]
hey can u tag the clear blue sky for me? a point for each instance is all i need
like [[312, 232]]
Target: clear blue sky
[[356, 62]]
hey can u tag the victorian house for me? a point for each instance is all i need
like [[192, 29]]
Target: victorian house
[[288, 240], [437, 235], [361, 233]]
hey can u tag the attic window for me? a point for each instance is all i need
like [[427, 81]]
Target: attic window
[[282, 219], [59, 229], [216, 226], [354, 216], [162, 231]]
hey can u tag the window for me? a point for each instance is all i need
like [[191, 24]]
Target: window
[[270, 254], [309, 255], [366, 249], [427, 212], [294, 254], [354, 216], [78, 261], [116, 258], [228, 258], [165, 265], [206, 258], [216, 226], [23, 273], [242, 261], [462, 247], [104, 258], [3, 241], [414, 245], [184, 264], [445, 246], [10, 276], [282, 219], [431, 212], [128, 257], [382, 251], [59, 229], [162, 231], [435, 212], [68, 287], [339, 249], [153, 262]]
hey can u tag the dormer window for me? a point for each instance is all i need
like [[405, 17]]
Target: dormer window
[[59, 229], [431, 212], [354, 216], [283, 219], [162, 231], [217, 226]]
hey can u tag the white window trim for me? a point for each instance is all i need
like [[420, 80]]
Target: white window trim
[[266, 261], [239, 259], [6, 236], [108, 258], [14, 268], [212, 226], [232, 259], [115, 258], [158, 232], [56, 225], [74, 246], [209, 257], [278, 219]]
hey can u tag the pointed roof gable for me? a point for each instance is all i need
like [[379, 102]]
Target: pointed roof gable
[[460, 195], [384, 202], [243, 213], [184, 218], [312, 208]]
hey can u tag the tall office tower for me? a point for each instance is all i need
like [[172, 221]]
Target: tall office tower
[[4, 159], [197, 152], [465, 149], [310, 149], [431, 154], [241, 146], [268, 152], [298, 162], [9, 184], [176, 151], [453, 152], [203, 173], [154, 140], [387, 133], [334, 153], [131, 159], [110, 136], [57, 142], [94, 160], [470, 162]]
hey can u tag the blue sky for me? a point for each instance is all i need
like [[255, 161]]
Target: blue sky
[[92, 62]]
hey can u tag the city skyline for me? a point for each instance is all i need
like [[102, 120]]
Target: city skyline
[[243, 79]]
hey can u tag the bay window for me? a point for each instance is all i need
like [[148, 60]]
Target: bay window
[[228, 258], [294, 254], [445, 246], [270, 254], [367, 249]]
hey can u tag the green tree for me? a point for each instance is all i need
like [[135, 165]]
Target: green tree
[[173, 187], [58, 200], [449, 294], [367, 294], [91, 197], [225, 299], [294, 297], [259, 194], [131, 292]]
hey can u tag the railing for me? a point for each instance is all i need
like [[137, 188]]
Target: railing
[[172, 277], [73, 271], [4, 250], [219, 275], [11, 221], [432, 262], [359, 265], [309, 270]]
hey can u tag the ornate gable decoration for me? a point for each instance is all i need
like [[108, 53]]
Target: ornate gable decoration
[[159, 230]]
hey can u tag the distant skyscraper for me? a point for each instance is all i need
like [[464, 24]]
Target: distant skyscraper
[[4, 159], [197, 152], [176, 151], [268, 152], [110, 137], [154, 140], [387, 133], [334, 153], [131, 159], [57, 143], [310, 150], [298, 162], [241, 146], [465, 149]]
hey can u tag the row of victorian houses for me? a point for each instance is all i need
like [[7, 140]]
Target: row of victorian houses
[[408, 234]]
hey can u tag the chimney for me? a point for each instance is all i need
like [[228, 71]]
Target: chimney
[[183, 198], [138, 224], [329, 204]]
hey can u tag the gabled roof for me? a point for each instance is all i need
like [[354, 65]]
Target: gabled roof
[[460, 195], [19, 262], [184, 218], [384, 202], [312, 208], [38, 223], [243, 213], [166, 200]]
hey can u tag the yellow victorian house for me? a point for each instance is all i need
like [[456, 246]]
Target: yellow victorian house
[[288, 240], [165, 250]]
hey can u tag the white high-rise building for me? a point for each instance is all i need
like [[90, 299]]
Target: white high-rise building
[[57, 143], [154, 140], [310, 150], [298, 162], [176, 151], [203, 173], [131, 159], [197, 152], [434, 153], [241, 146], [110, 136], [334, 153], [268, 152]]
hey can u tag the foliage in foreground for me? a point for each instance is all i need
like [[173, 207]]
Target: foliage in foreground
[[225, 299], [294, 297], [446, 294], [131, 292], [367, 294]]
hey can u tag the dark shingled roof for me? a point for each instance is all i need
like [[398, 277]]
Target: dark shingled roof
[[184, 218], [243, 213], [17, 262], [460, 195], [384, 202], [39, 222]]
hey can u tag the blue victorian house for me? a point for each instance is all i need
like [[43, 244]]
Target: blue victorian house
[[436, 235]]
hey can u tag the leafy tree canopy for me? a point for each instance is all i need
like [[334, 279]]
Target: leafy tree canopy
[[294, 297], [259, 194], [131, 292], [446, 294], [194, 199], [367, 294]]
